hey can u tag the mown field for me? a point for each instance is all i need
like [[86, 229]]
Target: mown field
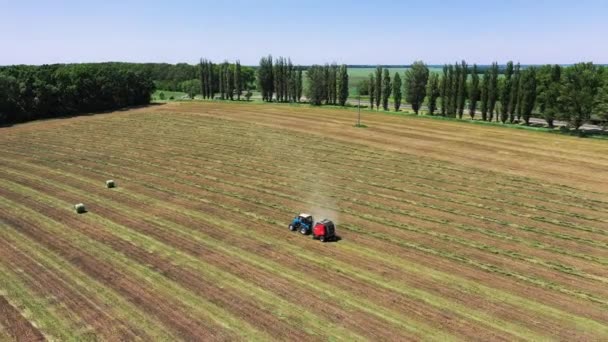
[[450, 231]]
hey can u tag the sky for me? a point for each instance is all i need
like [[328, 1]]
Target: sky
[[351, 32]]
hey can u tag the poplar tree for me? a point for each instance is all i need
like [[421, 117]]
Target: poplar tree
[[455, 89], [433, 92], [229, 81], [485, 84], [528, 93], [462, 88], [202, 78], [518, 104], [299, 86], [514, 96], [327, 95], [238, 86], [317, 87], [444, 91], [333, 84], [222, 79], [265, 78], [343, 85], [372, 90], [397, 91], [386, 89], [212, 80], [278, 79], [505, 94], [450, 91], [492, 90], [378, 86], [473, 91], [415, 84]]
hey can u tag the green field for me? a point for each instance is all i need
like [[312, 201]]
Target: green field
[[355, 75]]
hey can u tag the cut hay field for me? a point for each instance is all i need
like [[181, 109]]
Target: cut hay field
[[450, 231]]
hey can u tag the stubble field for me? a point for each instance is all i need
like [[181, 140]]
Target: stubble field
[[450, 231]]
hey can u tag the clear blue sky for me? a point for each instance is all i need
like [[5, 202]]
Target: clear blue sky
[[352, 32]]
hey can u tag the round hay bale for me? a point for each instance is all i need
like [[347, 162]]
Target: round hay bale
[[110, 183], [80, 208]]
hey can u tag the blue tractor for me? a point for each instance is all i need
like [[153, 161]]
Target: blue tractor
[[302, 223]]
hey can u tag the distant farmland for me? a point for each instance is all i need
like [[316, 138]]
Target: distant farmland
[[450, 231]]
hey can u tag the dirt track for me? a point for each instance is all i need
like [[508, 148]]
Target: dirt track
[[450, 230]]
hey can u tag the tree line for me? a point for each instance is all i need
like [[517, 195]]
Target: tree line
[[327, 84], [504, 94], [280, 80], [47, 91], [227, 79]]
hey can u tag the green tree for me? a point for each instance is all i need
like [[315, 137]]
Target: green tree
[[485, 84], [266, 78], [433, 92], [238, 86], [492, 90], [317, 87], [222, 81], [378, 87], [514, 96], [363, 87], [190, 87], [581, 84], [203, 72], [528, 89], [473, 91], [450, 91], [343, 85], [444, 91], [386, 89], [229, 82], [397, 91], [601, 105], [462, 88], [372, 90], [415, 84], [505, 93], [549, 88], [299, 85], [332, 86]]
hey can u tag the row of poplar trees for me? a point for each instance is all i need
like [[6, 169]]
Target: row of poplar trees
[[327, 84], [502, 93], [279, 80], [225, 79]]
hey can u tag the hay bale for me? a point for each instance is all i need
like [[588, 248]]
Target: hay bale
[[80, 208], [110, 183]]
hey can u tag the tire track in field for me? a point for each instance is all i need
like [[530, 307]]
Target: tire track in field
[[17, 326], [569, 271], [386, 328], [175, 318]]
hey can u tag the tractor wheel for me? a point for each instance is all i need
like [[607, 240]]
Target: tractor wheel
[[303, 231], [292, 228], [322, 238]]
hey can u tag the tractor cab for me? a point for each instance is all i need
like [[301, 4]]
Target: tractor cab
[[302, 222], [324, 231]]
